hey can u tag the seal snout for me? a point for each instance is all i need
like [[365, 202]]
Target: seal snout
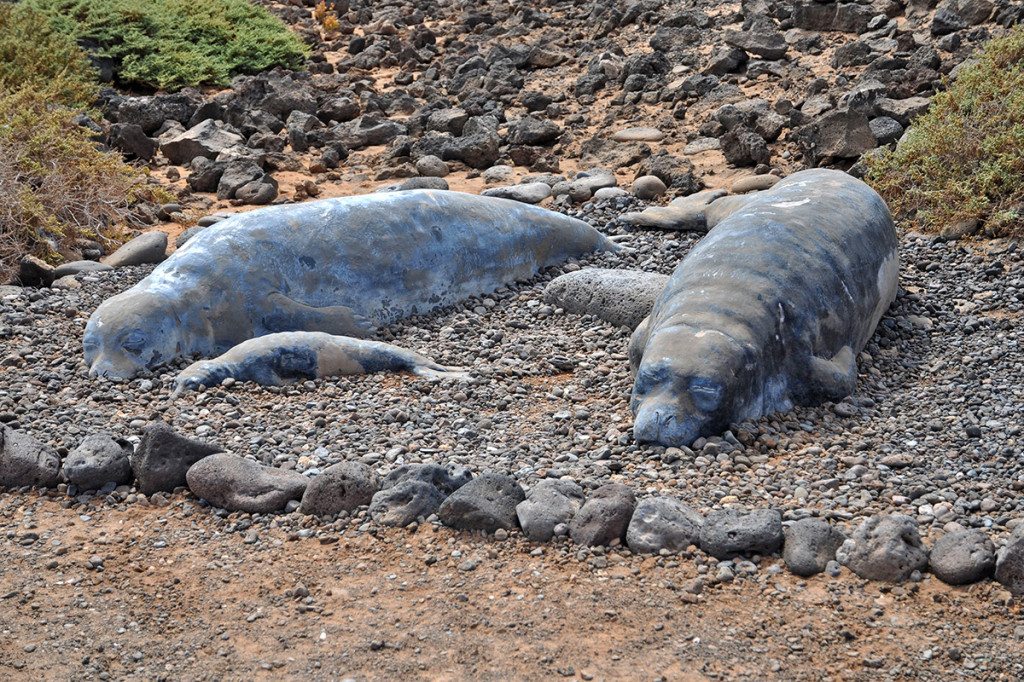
[[667, 422]]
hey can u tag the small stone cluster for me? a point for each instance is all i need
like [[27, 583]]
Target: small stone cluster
[[884, 548]]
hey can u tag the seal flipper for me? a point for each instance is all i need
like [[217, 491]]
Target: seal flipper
[[832, 379], [289, 315]]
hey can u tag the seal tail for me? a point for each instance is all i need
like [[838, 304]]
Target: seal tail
[[433, 371]]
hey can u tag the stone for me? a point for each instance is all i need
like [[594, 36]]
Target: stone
[[638, 135], [725, 60], [730, 532], [549, 503], [405, 502], [533, 131], [239, 484], [163, 458], [663, 523], [34, 272], [743, 147], [451, 121], [368, 130], [604, 517], [962, 557], [237, 173], [257, 193], [432, 167], [422, 183], [24, 461], [528, 193], [810, 544], [648, 187], [488, 502], [76, 267], [341, 487], [98, 460], [846, 17], [207, 139], [1010, 563], [130, 140], [886, 130], [588, 182], [767, 44], [609, 193], [446, 478], [148, 247], [754, 183], [701, 145], [843, 134], [884, 548], [621, 297], [903, 111]]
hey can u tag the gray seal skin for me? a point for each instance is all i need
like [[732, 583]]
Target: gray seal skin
[[341, 266], [768, 311], [286, 357]]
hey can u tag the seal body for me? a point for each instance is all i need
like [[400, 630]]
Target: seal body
[[341, 266], [768, 311], [286, 357]]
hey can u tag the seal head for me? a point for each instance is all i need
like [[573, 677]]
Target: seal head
[[131, 332]]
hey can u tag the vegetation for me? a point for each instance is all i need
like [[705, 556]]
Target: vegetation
[[963, 160], [170, 44]]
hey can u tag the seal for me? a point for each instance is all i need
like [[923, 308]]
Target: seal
[[768, 311], [286, 357], [340, 266]]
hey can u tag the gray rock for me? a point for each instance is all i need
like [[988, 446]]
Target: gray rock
[[847, 17], [648, 187], [78, 266], [884, 548], [604, 517], [130, 140], [98, 460], [638, 135], [810, 545], [764, 43], [963, 557], [446, 478], [610, 193], [340, 487], [621, 297], [886, 130], [422, 183], [534, 132], [405, 502], [149, 247], [238, 172], [729, 532], [207, 139], [26, 461], [431, 167], [528, 193], [744, 147], [841, 134], [904, 111], [257, 193], [163, 458], [1010, 563], [238, 484], [34, 272], [588, 182], [663, 523], [549, 503], [701, 145], [488, 503]]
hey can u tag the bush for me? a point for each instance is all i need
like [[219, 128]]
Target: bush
[[170, 44], [963, 160], [55, 185], [34, 55]]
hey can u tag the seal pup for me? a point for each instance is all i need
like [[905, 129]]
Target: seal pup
[[768, 311], [341, 266], [287, 357]]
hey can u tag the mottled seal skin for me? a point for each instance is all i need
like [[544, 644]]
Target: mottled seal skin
[[286, 357], [341, 266], [768, 311]]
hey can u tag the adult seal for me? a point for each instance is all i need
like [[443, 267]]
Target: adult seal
[[340, 266], [768, 311], [286, 357]]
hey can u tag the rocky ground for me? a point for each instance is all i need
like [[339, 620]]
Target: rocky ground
[[120, 584]]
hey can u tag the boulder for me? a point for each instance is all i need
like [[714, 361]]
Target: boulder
[[130, 140], [638, 135], [963, 557], [841, 134], [604, 517], [488, 502], [405, 502], [447, 478], [24, 461], [884, 548], [621, 297], [810, 544], [34, 272], [341, 487], [727, 533], [549, 503], [533, 131], [663, 523], [98, 460], [163, 458], [846, 17], [528, 193], [148, 247], [648, 187], [239, 484], [207, 139], [1010, 563], [743, 147], [431, 166], [765, 43], [76, 267]]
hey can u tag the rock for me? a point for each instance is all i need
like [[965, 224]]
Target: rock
[[729, 532], [648, 187], [257, 193], [488, 502], [163, 458], [767, 44], [34, 272], [205, 174], [432, 167], [1010, 563], [340, 487], [663, 523], [884, 548], [886, 130], [79, 266], [701, 145], [182, 238], [610, 193], [500, 173], [340, 109], [239, 484], [24, 461], [405, 502], [588, 182], [621, 297], [446, 478], [130, 140], [549, 503], [743, 147], [638, 135], [846, 17], [148, 247], [947, 21], [528, 193], [962, 557], [422, 183], [810, 544], [754, 183], [66, 282], [725, 60], [843, 134], [367, 131], [685, 214], [207, 139], [604, 517], [533, 131], [903, 111], [98, 460], [237, 173]]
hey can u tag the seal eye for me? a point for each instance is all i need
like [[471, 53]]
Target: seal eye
[[705, 393], [134, 342]]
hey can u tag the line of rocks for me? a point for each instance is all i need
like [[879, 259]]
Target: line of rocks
[[884, 548]]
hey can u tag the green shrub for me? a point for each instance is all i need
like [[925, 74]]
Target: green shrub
[[55, 185], [963, 160], [34, 55], [170, 44]]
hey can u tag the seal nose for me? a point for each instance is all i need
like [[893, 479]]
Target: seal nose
[[103, 367], [657, 422]]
